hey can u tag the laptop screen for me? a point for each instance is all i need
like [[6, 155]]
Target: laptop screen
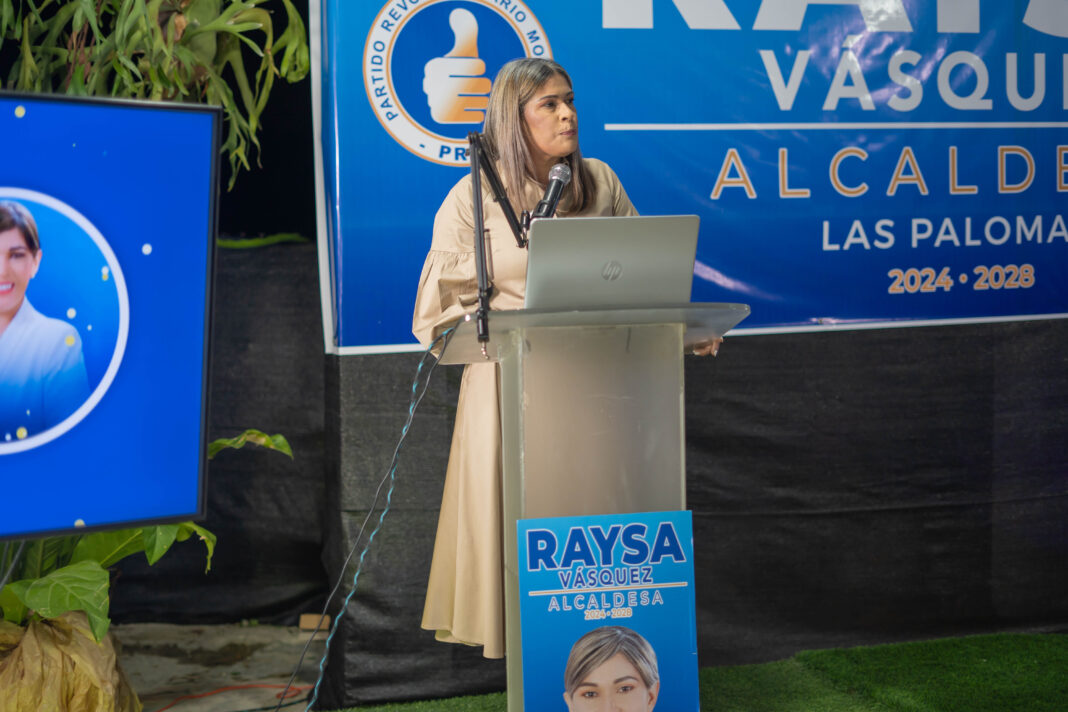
[[609, 262]]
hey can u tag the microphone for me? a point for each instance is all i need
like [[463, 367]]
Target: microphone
[[559, 176]]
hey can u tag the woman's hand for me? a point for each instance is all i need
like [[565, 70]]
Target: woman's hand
[[707, 348]]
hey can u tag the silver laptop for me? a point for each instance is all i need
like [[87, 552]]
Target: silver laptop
[[583, 263]]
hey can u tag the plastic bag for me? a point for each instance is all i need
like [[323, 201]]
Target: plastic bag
[[55, 665]]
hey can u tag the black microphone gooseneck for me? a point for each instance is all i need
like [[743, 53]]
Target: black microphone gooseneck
[[485, 289], [559, 176], [483, 158]]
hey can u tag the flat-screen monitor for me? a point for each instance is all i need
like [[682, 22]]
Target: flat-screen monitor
[[107, 233]]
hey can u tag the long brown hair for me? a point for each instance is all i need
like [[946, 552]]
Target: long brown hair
[[506, 137]]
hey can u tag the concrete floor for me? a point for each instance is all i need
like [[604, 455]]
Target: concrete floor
[[178, 667]]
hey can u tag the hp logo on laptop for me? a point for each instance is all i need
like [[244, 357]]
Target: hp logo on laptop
[[612, 270]]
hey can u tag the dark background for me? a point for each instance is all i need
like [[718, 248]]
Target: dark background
[[847, 488]]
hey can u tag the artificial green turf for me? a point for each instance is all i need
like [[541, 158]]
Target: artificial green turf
[[991, 673], [786, 686]]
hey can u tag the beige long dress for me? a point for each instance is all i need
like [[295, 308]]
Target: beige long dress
[[465, 594]]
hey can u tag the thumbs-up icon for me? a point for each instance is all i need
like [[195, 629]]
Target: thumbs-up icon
[[455, 85], [1047, 16]]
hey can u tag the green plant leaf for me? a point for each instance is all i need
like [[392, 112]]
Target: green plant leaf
[[158, 540], [42, 556], [8, 19], [108, 548], [256, 437], [77, 84], [55, 25], [125, 61], [14, 609], [82, 586], [296, 59], [129, 12], [28, 72], [188, 529], [245, 243]]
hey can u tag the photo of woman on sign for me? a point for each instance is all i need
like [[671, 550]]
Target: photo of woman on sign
[[42, 370], [611, 668]]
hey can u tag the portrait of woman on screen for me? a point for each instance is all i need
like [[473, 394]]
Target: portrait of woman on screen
[[42, 369]]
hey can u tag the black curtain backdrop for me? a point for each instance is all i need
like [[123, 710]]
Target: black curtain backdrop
[[848, 488], [869, 486]]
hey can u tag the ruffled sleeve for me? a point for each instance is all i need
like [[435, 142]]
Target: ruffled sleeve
[[448, 289], [448, 285]]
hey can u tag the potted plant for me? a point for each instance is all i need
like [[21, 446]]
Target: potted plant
[[54, 605]]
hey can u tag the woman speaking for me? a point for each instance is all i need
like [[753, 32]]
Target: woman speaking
[[531, 124]]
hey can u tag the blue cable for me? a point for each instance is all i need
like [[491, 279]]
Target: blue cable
[[391, 476]]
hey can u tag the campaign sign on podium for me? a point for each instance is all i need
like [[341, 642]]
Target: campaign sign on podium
[[578, 574]]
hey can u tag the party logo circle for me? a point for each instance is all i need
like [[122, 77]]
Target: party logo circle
[[428, 68]]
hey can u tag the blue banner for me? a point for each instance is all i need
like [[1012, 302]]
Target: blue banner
[[592, 586], [856, 162]]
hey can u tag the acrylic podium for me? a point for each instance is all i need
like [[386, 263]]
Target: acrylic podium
[[592, 417]]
